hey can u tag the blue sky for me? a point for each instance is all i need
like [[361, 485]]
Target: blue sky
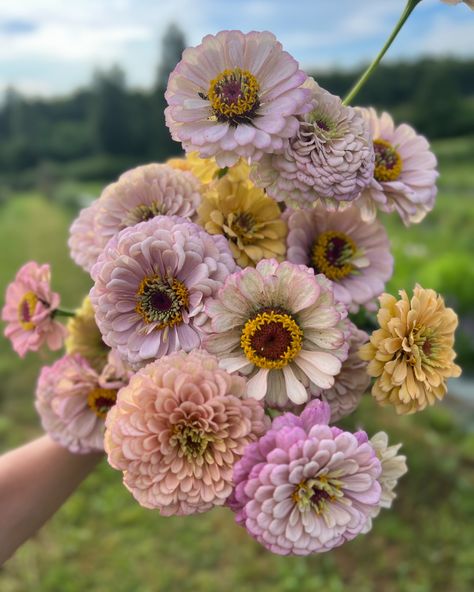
[[51, 47]]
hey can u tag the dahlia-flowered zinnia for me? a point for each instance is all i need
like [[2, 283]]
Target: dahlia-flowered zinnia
[[84, 337], [178, 429], [306, 487], [330, 157], [280, 325], [72, 403], [394, 466], [29, 310], [412, 354], [151, 284], [404, 178], [235, 95], [84, 242], [247, 217], [351, 382], [353, 254]]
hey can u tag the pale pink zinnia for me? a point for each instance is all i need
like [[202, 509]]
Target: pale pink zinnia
[[404, 179], [177, 430], [329, 159], [280, 325], [306, 487], [84, 242], [29, 310], [72, 404], [235, 95], [352, 253], [151, 284]]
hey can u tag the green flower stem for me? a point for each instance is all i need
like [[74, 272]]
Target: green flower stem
[[64, 313], [410, 5]]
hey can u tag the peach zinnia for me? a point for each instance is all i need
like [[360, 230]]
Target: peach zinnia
[[412, 355]]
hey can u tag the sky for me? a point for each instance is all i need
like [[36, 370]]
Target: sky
[[51, 47]]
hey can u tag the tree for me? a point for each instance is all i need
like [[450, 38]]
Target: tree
[[172, 46]]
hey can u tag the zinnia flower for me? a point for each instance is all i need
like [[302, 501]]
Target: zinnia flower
[[151, 284], [84, 242], [404, 179], [204, 169], [393, 467], [306, 487], [280, 325], [72, 404], [470, 3], [29, 310], [247, 217], [353, 254], [411, 355], [351, 382], [329, 158], [235, 95], [177, 430], [84, 337]]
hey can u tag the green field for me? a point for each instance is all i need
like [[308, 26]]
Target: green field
[[102, 541]]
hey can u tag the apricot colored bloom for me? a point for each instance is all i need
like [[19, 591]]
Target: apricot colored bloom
[[178, 429], [72, 404], [247, 217], [151, 284], [306, 487], [404, 178], [280, 325], [412, 354], [235, 95], [329, 159], [29, 310], [84, 337], [353, 254]]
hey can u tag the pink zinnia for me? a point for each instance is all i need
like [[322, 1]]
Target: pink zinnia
[[29, 310], [352, 253], [151, 284], [280, 325], [235, 95], [84, 242], [405, 174], [178, 429], [306, 487], [73, 400], [329, 158]]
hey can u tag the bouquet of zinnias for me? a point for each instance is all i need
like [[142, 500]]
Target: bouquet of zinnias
[[216, 349]]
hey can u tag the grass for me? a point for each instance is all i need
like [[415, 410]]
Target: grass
[[101, 540]]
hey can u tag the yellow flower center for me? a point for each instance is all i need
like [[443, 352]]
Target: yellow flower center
[[271, 339], [332, 253], [192, 440], [161, 301], [141, 213], [26, 309], [100, 400], [233, 95], [388, 163], [317, 493]]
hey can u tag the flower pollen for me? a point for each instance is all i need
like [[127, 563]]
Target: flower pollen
[[161, 301], [388, 163], [100, 400], [233, 95], [317, 493], [26, 309], [271, 339], [331, 254]]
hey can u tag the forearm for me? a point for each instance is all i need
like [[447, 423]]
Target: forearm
[[35, 480]]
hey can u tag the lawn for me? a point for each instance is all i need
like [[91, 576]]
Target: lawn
[[101, 540]]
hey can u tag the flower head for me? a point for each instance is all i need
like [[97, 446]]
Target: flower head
[[235, 95], [72, 404], [470, 3], [151, 284], [247, 217], [412, 355], [177, 431], [353, 254], [329, 158], [29, 310], [280, 325], [84, 337], [404, 178], [84, 242], [306, 487], [204, 169]]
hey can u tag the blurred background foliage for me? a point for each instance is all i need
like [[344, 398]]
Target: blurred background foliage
[[55, 157]]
